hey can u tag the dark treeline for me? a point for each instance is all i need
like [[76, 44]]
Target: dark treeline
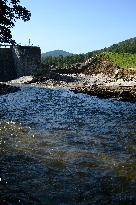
[[63, 61]]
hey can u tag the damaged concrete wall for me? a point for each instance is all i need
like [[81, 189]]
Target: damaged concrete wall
[[27, 59], [18, 61], [7, 66]]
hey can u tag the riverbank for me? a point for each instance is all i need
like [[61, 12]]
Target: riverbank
[[6, 89], [123, 93], [97, 76], [99, 85]]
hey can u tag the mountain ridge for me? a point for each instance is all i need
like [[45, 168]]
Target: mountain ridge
[[125, 46], [56, 53]]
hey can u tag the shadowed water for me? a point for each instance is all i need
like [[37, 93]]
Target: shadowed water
[[58, 147]]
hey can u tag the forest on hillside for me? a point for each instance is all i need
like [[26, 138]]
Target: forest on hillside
[[122, 54]]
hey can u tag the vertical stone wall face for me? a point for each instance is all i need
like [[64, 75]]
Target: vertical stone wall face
[[19, 61], [27, 59], [7, 66]]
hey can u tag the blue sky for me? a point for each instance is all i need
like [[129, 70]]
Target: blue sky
[[77, 26]]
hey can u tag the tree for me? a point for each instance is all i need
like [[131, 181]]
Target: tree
[[10, 11]]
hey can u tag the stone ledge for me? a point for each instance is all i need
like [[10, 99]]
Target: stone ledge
[[124, 93]]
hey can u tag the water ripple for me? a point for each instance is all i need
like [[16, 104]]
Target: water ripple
[[58, 147]]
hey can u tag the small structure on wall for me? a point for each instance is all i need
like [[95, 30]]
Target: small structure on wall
[[17, 61]]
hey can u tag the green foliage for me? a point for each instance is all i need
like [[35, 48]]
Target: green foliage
[[127, 46], [123, 60], [10, 10], [63, 61], [123, 54]]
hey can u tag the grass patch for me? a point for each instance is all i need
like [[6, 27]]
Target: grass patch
[[123, 60]]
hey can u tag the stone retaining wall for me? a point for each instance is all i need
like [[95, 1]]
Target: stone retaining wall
[[18, 61], [7, 66]]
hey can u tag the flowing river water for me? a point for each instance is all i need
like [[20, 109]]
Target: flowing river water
[[61, 148]]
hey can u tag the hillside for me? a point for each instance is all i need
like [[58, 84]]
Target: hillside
[[107, 73], [56, 53], [123, 60], [127, 46], [126, 59]]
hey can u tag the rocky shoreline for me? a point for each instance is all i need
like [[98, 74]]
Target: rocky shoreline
[[6, 89], [97, 77], [95, 85], [98, 85], [123, 93]]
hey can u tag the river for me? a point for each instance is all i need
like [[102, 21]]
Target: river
[[62, 148]]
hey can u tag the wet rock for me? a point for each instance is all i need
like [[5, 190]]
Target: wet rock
[[6, 89], [124, 93], [56, 77]]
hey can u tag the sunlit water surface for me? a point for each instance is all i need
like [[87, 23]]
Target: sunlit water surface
[[58, 147]]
